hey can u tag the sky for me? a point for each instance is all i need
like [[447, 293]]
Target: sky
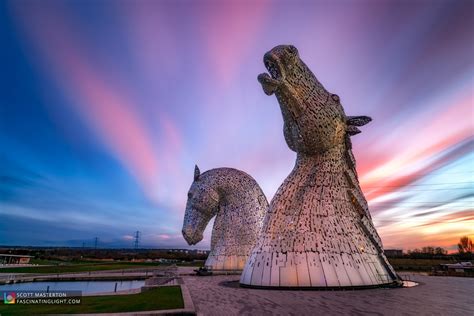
[[106, 106]]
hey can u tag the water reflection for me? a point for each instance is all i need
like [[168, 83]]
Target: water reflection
[[409, 283], [87, 287]]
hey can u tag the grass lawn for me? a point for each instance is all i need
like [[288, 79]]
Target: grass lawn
[[44, 261], [80, 267], [168, 297], [409, 264], [197, 263]]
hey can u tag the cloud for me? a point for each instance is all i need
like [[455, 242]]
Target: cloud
[[441, 154], [110, 113], [161, 87], [230, 29]]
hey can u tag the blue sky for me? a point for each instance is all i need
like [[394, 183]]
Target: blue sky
[[107, 105]]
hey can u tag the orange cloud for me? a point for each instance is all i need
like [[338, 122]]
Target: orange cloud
[[416, 156], [443, 231]]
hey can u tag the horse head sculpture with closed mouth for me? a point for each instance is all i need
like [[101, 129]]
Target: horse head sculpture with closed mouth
[[238, 204]]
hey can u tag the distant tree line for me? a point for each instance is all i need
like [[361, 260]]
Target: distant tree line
[[428, 251], [465, 245], [85, 254], [465, 251]]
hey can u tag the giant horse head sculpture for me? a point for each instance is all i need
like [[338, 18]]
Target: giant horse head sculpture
[[239, 205], [314, 120], [201, 207]]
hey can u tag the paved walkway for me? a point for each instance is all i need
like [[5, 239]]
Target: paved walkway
[[218, 295], [123, 274]]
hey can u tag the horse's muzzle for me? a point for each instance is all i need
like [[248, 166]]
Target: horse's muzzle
[[191, 237]]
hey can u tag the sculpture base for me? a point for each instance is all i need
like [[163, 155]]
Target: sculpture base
[[315, 270], [226, 263], [395, 284], [318, 232]]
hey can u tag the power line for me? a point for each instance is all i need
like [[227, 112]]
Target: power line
[[427, 221], [447, 189], [414, 185], [427, 174], [423, 207], [424, 202], [390, 206], [136, 239]]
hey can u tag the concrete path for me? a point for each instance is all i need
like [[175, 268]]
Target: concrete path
[[124, 274], [218, 295]]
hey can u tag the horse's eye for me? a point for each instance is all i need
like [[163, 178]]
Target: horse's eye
[[293, 50]]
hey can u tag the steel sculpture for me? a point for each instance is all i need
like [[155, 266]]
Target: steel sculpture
[[239, 205], [318, 232]]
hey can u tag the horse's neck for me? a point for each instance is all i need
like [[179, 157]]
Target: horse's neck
[[336, 163], [216, 179], [332, 160], [233, 191], [234, 201]]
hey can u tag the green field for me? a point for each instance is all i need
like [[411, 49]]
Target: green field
[[409, 264], [82, 267], [168, 297], [45, 262], [401, 264], [196, 263]]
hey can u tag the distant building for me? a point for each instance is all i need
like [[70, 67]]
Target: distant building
[[465, 269], [14, 259], [393, 253]]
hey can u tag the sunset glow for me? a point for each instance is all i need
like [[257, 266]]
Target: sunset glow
[[107, 105]]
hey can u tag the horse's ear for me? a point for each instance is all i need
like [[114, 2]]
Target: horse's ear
[[354, 121], [352, 130], [197, 173], [358, 120]]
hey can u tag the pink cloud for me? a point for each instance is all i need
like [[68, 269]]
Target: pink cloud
[[127, 237], [164, 236], [414, 155], [230, 29], [106, 108], [155, 43]]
